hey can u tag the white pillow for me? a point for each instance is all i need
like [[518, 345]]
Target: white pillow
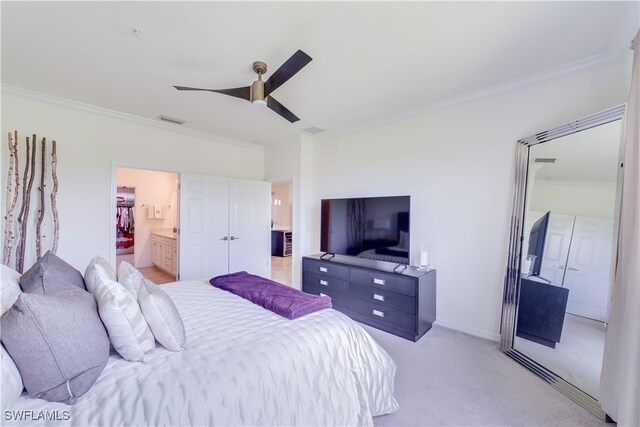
[[11, 380], [162, 316], [98, 267], [129, 277], [9, 287], [11, 387], [121, 315]]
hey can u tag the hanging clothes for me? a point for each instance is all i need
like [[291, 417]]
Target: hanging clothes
[[125, 219]]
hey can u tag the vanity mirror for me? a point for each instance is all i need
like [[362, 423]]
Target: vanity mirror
[[562, 252]]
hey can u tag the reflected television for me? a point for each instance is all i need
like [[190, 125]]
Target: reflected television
[[537, 240]]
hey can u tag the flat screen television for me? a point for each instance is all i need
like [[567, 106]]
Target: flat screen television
[[367, 227], [537, 239]]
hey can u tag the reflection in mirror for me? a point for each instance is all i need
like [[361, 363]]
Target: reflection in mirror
[[568, 253]]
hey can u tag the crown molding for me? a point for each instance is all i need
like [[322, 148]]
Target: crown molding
[[75, 105], [512, 85]]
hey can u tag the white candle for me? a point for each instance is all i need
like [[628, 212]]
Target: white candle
[[424, 258]]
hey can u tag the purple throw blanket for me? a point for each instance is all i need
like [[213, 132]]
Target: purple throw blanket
[[281, 299]]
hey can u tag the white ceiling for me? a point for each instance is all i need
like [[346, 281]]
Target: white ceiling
[[371, 60], [588, 156]]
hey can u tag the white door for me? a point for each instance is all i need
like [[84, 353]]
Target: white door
[[556, 248], [589, 268], [204, 219], [249, 227]]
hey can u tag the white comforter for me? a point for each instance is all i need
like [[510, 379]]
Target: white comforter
[[242, 365]]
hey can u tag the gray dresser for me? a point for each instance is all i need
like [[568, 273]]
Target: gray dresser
[[403, 304]]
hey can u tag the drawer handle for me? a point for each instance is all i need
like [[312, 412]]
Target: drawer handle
[[378, 313], [378, 281], [324, 269], [324, 283], [378, 297], [323, 295]]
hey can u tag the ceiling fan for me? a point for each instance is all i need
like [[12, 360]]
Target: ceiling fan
[[260, 91]]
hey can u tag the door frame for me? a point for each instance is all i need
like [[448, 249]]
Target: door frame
[[296, 237], [115, 164]]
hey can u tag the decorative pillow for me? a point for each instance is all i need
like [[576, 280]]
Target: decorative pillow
[[162, 316], [98, 266], [9, 288], [51, 275], [11, 381], [121, 315], [57, 342], [129, 277]]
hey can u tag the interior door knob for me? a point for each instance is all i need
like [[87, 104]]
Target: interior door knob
[[561, 267], [573, 269], [225, 238]]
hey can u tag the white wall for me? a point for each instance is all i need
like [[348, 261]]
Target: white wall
[[283, 162], [294, 160], [591, 199], [91, 143], [152, 187], [458, 166]]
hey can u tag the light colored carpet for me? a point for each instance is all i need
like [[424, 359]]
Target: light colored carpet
[[451, 378], [577, 357]]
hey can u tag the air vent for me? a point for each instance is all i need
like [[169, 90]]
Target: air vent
[[171, 120], [544, 160], [314, 130]]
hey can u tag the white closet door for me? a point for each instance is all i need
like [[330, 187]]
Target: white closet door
[[249, 227], [589, 269], [204, 219], [556, 248]]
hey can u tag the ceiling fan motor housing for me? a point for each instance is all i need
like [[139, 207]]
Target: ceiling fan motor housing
[[257, 91], [257, 87]]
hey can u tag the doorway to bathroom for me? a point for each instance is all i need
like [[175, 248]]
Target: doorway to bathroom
[[281, 230], [146, 222]]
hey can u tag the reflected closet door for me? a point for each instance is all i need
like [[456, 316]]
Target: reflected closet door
[[588, 275], [557, 246]]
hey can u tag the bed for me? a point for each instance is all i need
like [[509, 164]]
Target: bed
[[243, 365]]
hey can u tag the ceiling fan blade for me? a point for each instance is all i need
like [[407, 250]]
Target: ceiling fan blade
[[281, 109], [287, 70], [238, 92]]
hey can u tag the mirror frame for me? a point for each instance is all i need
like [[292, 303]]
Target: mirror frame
[[512, 282]]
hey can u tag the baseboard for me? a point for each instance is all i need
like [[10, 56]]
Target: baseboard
[[467, 330]]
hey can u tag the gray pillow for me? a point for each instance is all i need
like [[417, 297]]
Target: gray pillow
[[58, 343], [50, 275]]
